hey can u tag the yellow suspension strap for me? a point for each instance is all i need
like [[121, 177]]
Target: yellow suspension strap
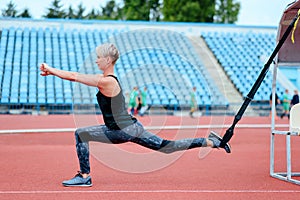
[[294, 29]]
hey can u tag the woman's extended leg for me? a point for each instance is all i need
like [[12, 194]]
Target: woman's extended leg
[[154, 142]]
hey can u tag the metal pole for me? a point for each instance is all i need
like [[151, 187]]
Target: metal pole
[[288, 157], [272, 145]]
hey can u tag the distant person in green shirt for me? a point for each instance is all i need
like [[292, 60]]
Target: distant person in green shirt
[[143, 101], [133, 101], [286, 104], [193, 102]]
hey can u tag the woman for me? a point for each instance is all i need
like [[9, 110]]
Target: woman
[[119, 126], [286, 104], [193, 102]]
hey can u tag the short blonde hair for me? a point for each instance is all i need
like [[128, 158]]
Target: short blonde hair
[[108, 49]]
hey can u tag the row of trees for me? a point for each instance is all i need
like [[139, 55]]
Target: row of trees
[[219, 11]]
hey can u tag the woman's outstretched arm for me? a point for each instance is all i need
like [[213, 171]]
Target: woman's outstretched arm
[[95, 80]]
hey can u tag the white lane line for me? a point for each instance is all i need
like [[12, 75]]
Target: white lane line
[[147, 191], [209, 126]]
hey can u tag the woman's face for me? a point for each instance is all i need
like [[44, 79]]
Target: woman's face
[[102, 62]]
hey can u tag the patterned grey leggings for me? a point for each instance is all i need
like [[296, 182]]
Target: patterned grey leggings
[[134, 133]]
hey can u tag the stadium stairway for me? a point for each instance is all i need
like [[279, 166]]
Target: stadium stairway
[[221, 80]]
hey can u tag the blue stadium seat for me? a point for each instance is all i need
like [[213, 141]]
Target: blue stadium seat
[[170, 55], [243, 50], [41, 100], [156, 102], [23, 98]]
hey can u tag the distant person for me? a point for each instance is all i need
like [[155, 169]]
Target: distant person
[[144, 106], [133, 101], [295, 98], [277, 102], [139, 103], [193, 102], [286, 104], [119, 126]]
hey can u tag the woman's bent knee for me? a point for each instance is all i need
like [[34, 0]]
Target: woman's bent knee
[[81, 134]]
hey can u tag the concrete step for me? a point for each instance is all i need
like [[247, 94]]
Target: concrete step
[[220, 78]]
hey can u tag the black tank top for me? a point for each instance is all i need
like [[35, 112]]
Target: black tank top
[[114, 110]]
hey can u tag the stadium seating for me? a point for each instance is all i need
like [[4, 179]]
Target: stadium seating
[[242, 57], [164, 61]]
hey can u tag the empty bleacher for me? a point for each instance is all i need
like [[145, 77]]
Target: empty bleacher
[[164, 61], [242, 56]]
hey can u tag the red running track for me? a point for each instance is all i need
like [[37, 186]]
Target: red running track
[[34, 164]]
